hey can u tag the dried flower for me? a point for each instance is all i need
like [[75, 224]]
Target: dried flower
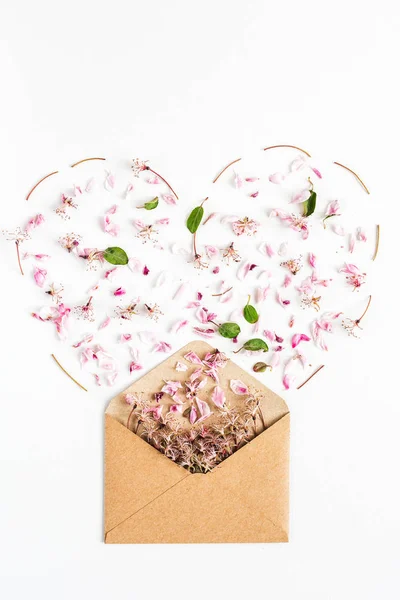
[[310, 302], [354, 275], [126, 312], [294, 265], [66, 203], [138, 166], [86, 311], [70, 241], [245, 226], [153, 311], [230, 254], [55, 293], [147, 233]]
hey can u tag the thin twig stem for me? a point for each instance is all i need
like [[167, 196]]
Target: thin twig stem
[[287, 146], [130, 414], [39, 182], [66, 372], [86, 160], [164, 180], [353, 173], [194, 245], [365, 311], [19, 258], [378, 234], [311, 376], [225, 168], [222, 293]]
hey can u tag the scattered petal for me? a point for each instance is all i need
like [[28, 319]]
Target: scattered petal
[[299, 337], [39, 276], [218, 397], [277, 178], [238, 387]]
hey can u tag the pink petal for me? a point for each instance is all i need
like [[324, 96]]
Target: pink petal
[[155, 180], [301, 196], [238, 387], [229, 219], [135, 264], [338, 229], [333, 208], [287, 281], [254, 194], [109, 182], [169, 199], [110, 379], [282, 302], [176, 408], [361, 235], [261, 293], [110, 274], [352, 242], [146, 337], [202, 315], [179, 325], [90, 185], [34, 222], [110, 227], [299, 337], [125, 337], [39, 276], [238, 181], [181, 290], [218, 397], [120, 292], [269, 335], [316, 172], [277, 178], [350, 269], [210, 216], [162, 347], [287, 381], [298, 164], [251, 179], [134, 366], [85, 340], [193, 415], [207, 333], [211, 251], [180, 366], [178, 250], [204, 409], [266, 249], [146, 270], [193, 358], [243, 270], [130, 187], [283, 248], [160, 279], [97, 379], [275, 360], [163, 221], [112, 210], [312, 260]]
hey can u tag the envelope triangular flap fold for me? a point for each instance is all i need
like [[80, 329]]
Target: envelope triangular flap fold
[[245, 500]]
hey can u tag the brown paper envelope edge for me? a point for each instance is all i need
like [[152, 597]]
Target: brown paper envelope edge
[[135, 473], [244, 500]]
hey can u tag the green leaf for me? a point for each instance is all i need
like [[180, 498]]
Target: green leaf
[[229, 330], [255, 344], [152, 204], [260, 367], [310, 204], [116, 256], [250, 314], [194, 219]]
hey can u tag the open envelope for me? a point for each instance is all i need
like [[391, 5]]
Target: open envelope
[[150, 499]]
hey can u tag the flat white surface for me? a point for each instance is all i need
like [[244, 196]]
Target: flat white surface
[[191, 87]]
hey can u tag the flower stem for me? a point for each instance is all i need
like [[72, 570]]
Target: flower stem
[[353, 173], [222, 293], [85, 160], [365, 311], [39, 182], [311, 376], [288, 146], [66, 372], [225, 168], [378, 232], [194, 245], [164, 180], [19, 258], [236, 351], [130, 414]]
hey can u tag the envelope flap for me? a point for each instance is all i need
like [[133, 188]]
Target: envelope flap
[[135, 473], [245, 499]]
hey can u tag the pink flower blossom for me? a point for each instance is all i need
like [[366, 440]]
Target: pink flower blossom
[[299, 337], [39, 276], [238, 387], [295, 222], [354, 275], [245, 226], [218, 397]]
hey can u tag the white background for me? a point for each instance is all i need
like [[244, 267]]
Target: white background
[[191, 86]]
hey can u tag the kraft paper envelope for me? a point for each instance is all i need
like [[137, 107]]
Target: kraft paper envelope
[[150, 499]]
